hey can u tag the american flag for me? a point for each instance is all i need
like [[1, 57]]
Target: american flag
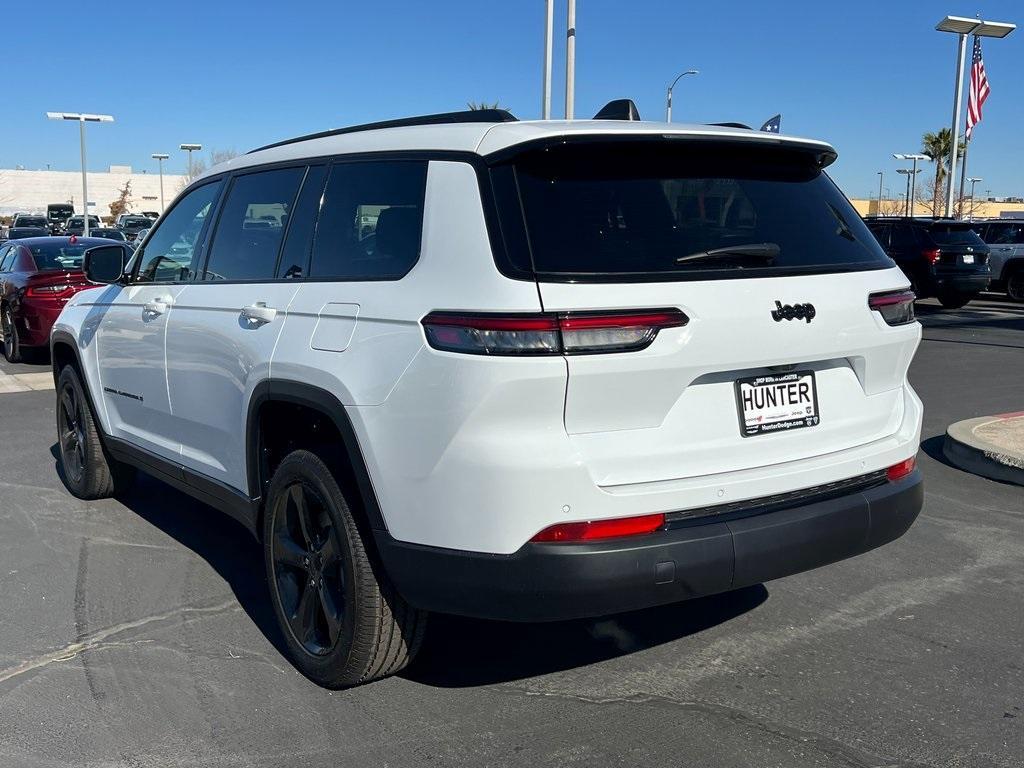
[[979, 88]]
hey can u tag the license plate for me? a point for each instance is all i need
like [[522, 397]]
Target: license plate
[[777, 403], [968, 258]]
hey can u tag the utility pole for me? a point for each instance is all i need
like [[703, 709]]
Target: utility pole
[[570, 61], [549, 25]]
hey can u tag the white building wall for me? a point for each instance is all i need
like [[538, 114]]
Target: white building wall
[[32, 191]]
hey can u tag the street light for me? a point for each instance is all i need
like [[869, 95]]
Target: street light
[[881, 176], [160, 157], [190, 148], [82, 120], [962, 26], [974, 180], [910, 173], [913, 183], [668, 100]]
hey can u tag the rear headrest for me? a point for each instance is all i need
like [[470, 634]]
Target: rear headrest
[[398, 232]]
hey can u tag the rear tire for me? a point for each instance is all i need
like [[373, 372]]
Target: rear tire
[[1015, 285], [12, 344], [342, 620], [955, 300], [86, 469]]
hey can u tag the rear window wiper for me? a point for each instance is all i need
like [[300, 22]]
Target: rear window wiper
[[763, 252]]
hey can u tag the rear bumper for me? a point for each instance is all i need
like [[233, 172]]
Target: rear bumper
[[962, 282], [35, 321], [547, 582]]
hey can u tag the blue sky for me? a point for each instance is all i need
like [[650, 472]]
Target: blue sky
[[868, 76]]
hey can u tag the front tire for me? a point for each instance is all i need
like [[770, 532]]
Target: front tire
[[86, 469], [341, 619], [12, 344]]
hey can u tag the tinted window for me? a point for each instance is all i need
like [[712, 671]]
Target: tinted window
[[168, 252], [30, 221], [903, 238], [654, 209], [251, 225], [954, 234], [58, 255], [371, 221], [881, 232], [302, 224], [6, 257], [1005, 234], [136, 221]]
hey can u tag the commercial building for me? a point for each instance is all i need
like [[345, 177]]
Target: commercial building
[[32, 191]]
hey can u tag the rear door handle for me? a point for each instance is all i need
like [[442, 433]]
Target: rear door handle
[[259, 312], [157, 306]]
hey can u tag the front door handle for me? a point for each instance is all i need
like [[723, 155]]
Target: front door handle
[[157, 306], [259, 313]]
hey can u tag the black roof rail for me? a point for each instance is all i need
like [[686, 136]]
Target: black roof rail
[[465, 116], [733, 125]]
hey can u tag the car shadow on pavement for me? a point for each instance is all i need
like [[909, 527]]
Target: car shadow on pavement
[[223, 543], [460, 652]]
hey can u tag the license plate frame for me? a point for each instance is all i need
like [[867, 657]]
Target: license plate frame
[[752, 426]]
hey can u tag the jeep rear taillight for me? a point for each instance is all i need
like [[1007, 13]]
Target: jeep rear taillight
[[570, 333], [932, 255], [895, 307]]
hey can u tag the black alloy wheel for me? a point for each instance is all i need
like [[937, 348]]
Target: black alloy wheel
[[10, 331], [71, 434], [308, 570], [1015, 285]]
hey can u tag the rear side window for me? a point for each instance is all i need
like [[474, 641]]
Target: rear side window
[[903, 237], [371, 220], [666, 210], [1005, 234], [6, 258], [954, 234], [251, 225]]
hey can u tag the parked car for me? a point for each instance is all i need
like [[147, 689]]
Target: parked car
[[57, 214], [139, 237], [151, 215], [29, 220], [942, 258], [37, 277], [76, 225], [131, 225], [16, 233], [574, 369], [1005, 238], [108, 233]]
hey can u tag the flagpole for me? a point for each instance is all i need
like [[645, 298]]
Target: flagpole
[[963, 176]]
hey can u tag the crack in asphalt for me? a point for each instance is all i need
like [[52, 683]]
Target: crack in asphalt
[[823, 743], [99, 639]]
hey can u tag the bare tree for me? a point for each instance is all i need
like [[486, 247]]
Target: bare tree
[[478, 105], [218, 156], [123, 202]]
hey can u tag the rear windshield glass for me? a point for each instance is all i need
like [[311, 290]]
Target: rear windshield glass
[[57, 256], [661, 210], [31, 221], [137, 221], [954, 234]]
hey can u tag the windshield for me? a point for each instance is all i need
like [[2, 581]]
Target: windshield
[[666, 210], [57, 214], [954, 234], [62, 256], [31, 221]]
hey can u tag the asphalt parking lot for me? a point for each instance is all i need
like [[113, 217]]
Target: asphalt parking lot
[[136, 632]]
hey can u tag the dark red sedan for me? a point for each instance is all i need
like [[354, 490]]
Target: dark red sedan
[[37, 277]]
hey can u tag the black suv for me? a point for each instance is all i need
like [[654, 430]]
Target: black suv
[[132, 225], [941, 257]]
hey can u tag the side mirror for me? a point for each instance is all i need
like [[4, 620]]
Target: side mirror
[[104, 264]]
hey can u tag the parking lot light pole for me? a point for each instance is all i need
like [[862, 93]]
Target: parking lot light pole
[[82, 120], [962, 27], [668, 96], [190, 148], [570, 60], [913, 177], [909, 174], [974, 180], [881, 176], [160, 157]]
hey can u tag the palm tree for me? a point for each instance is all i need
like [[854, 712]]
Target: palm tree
[[938, 147]]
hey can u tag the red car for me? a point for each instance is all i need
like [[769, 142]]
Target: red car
[[37, 277]]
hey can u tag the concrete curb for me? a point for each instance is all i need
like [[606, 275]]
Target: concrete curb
[[972, 453]]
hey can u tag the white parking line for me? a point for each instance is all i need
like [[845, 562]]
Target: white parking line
[[25, 382]]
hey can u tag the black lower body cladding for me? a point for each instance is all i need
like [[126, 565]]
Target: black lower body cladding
[[549, 582]]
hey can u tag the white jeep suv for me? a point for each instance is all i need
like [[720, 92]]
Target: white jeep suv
[[515, 370]]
